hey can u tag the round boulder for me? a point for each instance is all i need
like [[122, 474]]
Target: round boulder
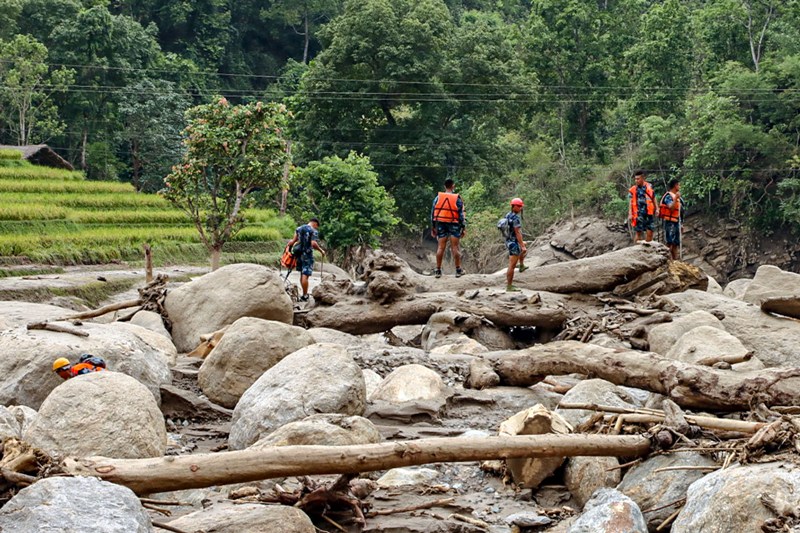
[[249, 517], [663, 336], [103, 413], [250, 347], [75, 505], [321, 378], [221, 297], [610, 511], [14, 420], [731, 499], [26, 376], [152, 321], [323, 430], [705, 342], [410, 383]]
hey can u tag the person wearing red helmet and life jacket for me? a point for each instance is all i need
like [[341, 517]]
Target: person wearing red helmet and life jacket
[[643, 208], [670, 211], [85, 365], [448, 224], [511, 228]]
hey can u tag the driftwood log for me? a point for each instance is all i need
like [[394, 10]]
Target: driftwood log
[[163, 474], [588, 275], [687, 384], [361, 317]]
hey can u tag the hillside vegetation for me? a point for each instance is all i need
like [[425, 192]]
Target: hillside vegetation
[[58, 217]]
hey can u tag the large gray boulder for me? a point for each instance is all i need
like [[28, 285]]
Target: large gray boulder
[[610, 511], [664, 336], [250, 517], [651, 489], [773, 340], [321, 378], [737, 288], [584, 475], [75, 505], [103, 413], [730, 499], [323, 430], [26, 376], [410, 383], [152, 321], [151, 338], [221, 297], [15, 313], [771, 282], [706, 341], [250, 347]]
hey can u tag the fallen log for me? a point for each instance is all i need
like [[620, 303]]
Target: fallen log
[[162, 474], [688, 385], [657, 416], [360, 317], [104, 310], [49, 326], [588, 275]]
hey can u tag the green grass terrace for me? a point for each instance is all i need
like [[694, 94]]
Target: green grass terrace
[[57, 217]]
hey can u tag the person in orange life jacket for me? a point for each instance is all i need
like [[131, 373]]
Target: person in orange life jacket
[[670, 212], [85, 365], [448, 223], [643, 209]]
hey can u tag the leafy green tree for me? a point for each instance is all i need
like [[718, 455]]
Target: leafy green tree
[[303, 16], [109, 52], [660, 59], [354, 209], [230, 151], [152, 116], [27, 85]]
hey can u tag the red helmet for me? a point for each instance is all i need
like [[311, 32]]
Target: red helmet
[[518, 201]]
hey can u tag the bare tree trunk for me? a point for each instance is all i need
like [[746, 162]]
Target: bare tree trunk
[[687, 384], [145, 476], [285, 185], [216, 256], [148, 263], [361, 317], [84, 141], [306, 39]]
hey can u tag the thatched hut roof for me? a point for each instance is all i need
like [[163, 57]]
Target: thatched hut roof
[[40, 154]]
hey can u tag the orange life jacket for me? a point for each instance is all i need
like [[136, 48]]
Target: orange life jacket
[[446, 209], [670, 213], [84, 368], [288, 259], [649, 196]]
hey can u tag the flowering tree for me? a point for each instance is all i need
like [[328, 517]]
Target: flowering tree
[[230, 151]]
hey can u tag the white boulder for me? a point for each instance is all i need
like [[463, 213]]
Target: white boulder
[[221, 297]]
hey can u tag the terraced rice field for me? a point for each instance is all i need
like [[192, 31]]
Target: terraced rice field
[[58, 217]]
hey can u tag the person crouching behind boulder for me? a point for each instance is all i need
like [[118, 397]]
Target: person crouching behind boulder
[[85, 365]]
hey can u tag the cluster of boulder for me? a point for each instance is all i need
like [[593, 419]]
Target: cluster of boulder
[[290, 385]]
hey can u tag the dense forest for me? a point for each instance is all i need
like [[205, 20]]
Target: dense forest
[[556, 101]]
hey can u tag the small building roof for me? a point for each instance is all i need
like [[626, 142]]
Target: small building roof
[[40, 154]]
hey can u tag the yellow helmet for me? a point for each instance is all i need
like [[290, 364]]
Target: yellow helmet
[[60, 363]]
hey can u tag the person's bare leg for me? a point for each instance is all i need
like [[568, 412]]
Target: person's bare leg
[[440, 251], [455, 248], [304, 283], [638, 237], [649, 235], [512, 263], [522, 254]]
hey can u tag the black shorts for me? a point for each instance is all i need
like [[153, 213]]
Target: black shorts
[[448, 229]]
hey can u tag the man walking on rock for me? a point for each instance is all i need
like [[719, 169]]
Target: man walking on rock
[[448, 224], [303, 245], [514, 243], [670, 212], [643, 209]]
